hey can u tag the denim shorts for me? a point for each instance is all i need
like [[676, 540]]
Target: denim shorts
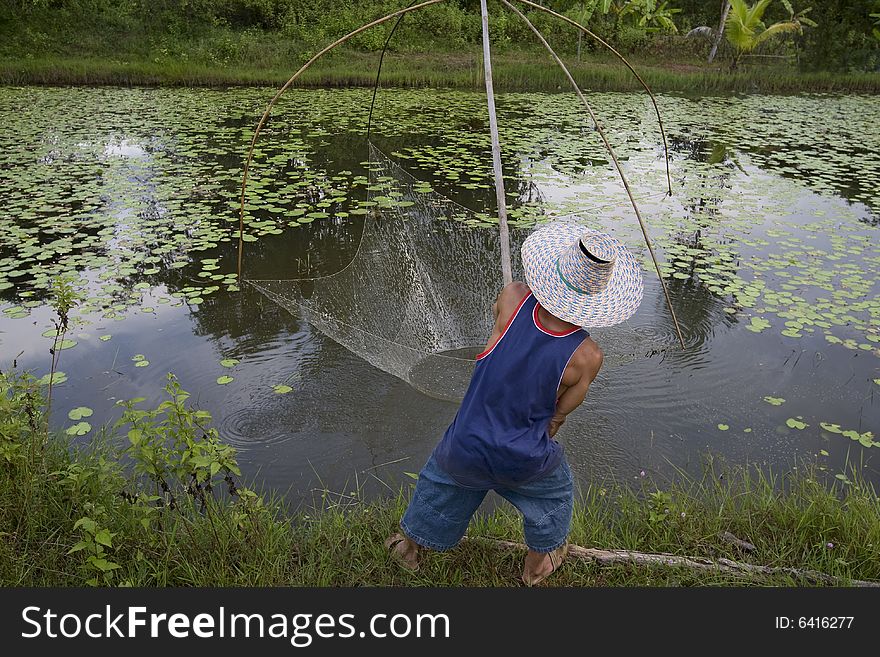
[[440, 509]]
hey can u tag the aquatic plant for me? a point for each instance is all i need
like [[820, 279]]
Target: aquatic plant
[[63, 298]]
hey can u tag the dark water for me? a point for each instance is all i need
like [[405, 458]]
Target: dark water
[[774, 218]]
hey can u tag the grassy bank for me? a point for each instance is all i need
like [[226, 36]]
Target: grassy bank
[[512, 72], [177, 515]]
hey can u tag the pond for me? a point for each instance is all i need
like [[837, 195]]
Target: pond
[[769, 246]]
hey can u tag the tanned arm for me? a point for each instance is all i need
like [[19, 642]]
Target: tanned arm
[[580, 373]]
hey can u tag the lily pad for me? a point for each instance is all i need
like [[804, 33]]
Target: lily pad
[[774, 401], [223, 380], [229, 362], [282, 389], [78, 429], [794, 423], [758, 324], [57, 378], [80, 412], [833, 428]]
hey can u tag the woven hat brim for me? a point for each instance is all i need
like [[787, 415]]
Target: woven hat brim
[[616, 303]]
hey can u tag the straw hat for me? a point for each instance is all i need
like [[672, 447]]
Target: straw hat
[[582, 276]]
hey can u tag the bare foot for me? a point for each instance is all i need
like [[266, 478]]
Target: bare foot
[[404, 550], [540, 565]]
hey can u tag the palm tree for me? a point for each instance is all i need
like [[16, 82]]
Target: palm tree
[[746, 31], [725, 10]]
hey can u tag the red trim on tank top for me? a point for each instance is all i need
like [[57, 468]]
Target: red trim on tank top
[[504, 332], [544, 329]]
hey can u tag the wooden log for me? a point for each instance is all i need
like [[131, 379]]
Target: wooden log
[[721, 565]]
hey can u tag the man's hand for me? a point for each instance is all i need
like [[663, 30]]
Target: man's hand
[[555, 422]]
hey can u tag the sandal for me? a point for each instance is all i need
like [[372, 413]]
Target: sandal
[[557, 556], [391, 544]]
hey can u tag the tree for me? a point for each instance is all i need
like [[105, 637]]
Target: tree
[[725, 10], [746, 30], [799, 17], [581, 13], [651, 15], [843, 39]]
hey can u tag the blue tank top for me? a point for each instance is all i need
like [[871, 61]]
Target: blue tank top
[[499, 437]]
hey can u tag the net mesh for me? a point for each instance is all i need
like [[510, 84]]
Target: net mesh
[[415, 301]]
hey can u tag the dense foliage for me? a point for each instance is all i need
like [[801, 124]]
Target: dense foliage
[[845, 35]]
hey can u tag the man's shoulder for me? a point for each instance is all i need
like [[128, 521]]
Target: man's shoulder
[[515, 291], [588, 358], [509, 299]]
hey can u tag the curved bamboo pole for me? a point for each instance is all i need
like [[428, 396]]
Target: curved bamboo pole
[[613, 157], [250, 155], [628, 65]]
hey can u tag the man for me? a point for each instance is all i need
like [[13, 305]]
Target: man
[[537, 368]]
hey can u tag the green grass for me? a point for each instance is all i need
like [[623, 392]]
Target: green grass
[[512, 72], [47, 486], [789, 522]]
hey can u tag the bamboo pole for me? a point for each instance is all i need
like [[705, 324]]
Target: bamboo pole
[[250, 155], [506, 274], [628, 65], [610, 150]]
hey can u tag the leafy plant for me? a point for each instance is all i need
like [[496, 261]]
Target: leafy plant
[[746, 29], [173, 446], [63, 299], [660, 505], [19, 416], [651, 15], [799, 16], [97, 542]]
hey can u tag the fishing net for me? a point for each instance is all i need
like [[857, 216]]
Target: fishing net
[[415, 301]]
